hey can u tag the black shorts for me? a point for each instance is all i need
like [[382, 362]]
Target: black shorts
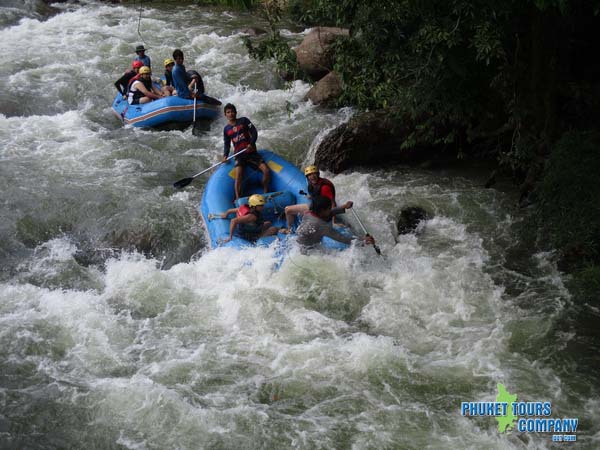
[[249, 159]]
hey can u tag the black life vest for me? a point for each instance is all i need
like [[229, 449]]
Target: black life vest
[[168, 78], [132, 80], [135, 95]]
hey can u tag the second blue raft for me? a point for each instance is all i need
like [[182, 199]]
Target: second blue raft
[[165, 110]]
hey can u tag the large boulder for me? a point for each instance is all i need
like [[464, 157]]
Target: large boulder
[[326, 90], [313, 55], [410, 218], [375, 138]]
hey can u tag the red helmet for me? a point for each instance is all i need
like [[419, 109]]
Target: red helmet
[[137, 64]]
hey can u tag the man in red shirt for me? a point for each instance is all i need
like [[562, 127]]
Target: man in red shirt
[[242, 134], [316, 186]]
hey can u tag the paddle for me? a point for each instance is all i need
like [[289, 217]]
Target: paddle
[[195, 131], [365, 231], [195, 102], [185, 181]]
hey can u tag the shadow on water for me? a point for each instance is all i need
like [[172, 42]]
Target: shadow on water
[[200, 128]]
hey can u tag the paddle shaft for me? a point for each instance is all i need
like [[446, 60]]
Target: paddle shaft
[[185, 181], [365, 230], [195, 101]]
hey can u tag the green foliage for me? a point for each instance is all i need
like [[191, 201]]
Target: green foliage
[[463, 70], [276, 48], [569, 210]]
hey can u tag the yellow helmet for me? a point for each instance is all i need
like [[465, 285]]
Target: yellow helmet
[[256, 200], [144, 69], [310, 169], [168, 61]]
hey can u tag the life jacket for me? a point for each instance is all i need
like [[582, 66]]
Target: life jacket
[[132, 80], [316, 190], [135, 94], [249, 231], [243, 210]]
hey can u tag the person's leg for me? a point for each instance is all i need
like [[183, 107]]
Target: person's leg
[[239, 174], [292, 211], [266, 176], [268, 229], [145, 100]]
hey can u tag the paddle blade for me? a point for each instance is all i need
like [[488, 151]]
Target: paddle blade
[[182, 183]]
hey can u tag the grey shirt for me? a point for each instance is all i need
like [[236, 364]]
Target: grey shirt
[[313, 229]]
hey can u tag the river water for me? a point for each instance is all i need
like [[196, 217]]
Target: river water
[[119, 330]]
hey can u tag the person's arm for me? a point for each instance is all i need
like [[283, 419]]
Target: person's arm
[[341, 209], [229, 211], [192, 86], [145, 91], [156, 91], [252, 130], [226, 143], [336, 235], [235, 222], [119, 85], [232, 226]]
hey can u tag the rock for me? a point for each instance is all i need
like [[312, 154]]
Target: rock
[[375, 138], [326, 90], [313, 55], [410, 217]]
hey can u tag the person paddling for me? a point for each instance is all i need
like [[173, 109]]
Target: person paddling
[[185, 86], [315, 226], [242, 133], [249, 221], [316, 186]]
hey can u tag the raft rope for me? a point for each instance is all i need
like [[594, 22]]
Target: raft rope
[[139, 24]]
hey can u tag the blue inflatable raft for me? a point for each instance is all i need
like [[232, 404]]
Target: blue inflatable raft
[[286, 183], [165, 110]]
